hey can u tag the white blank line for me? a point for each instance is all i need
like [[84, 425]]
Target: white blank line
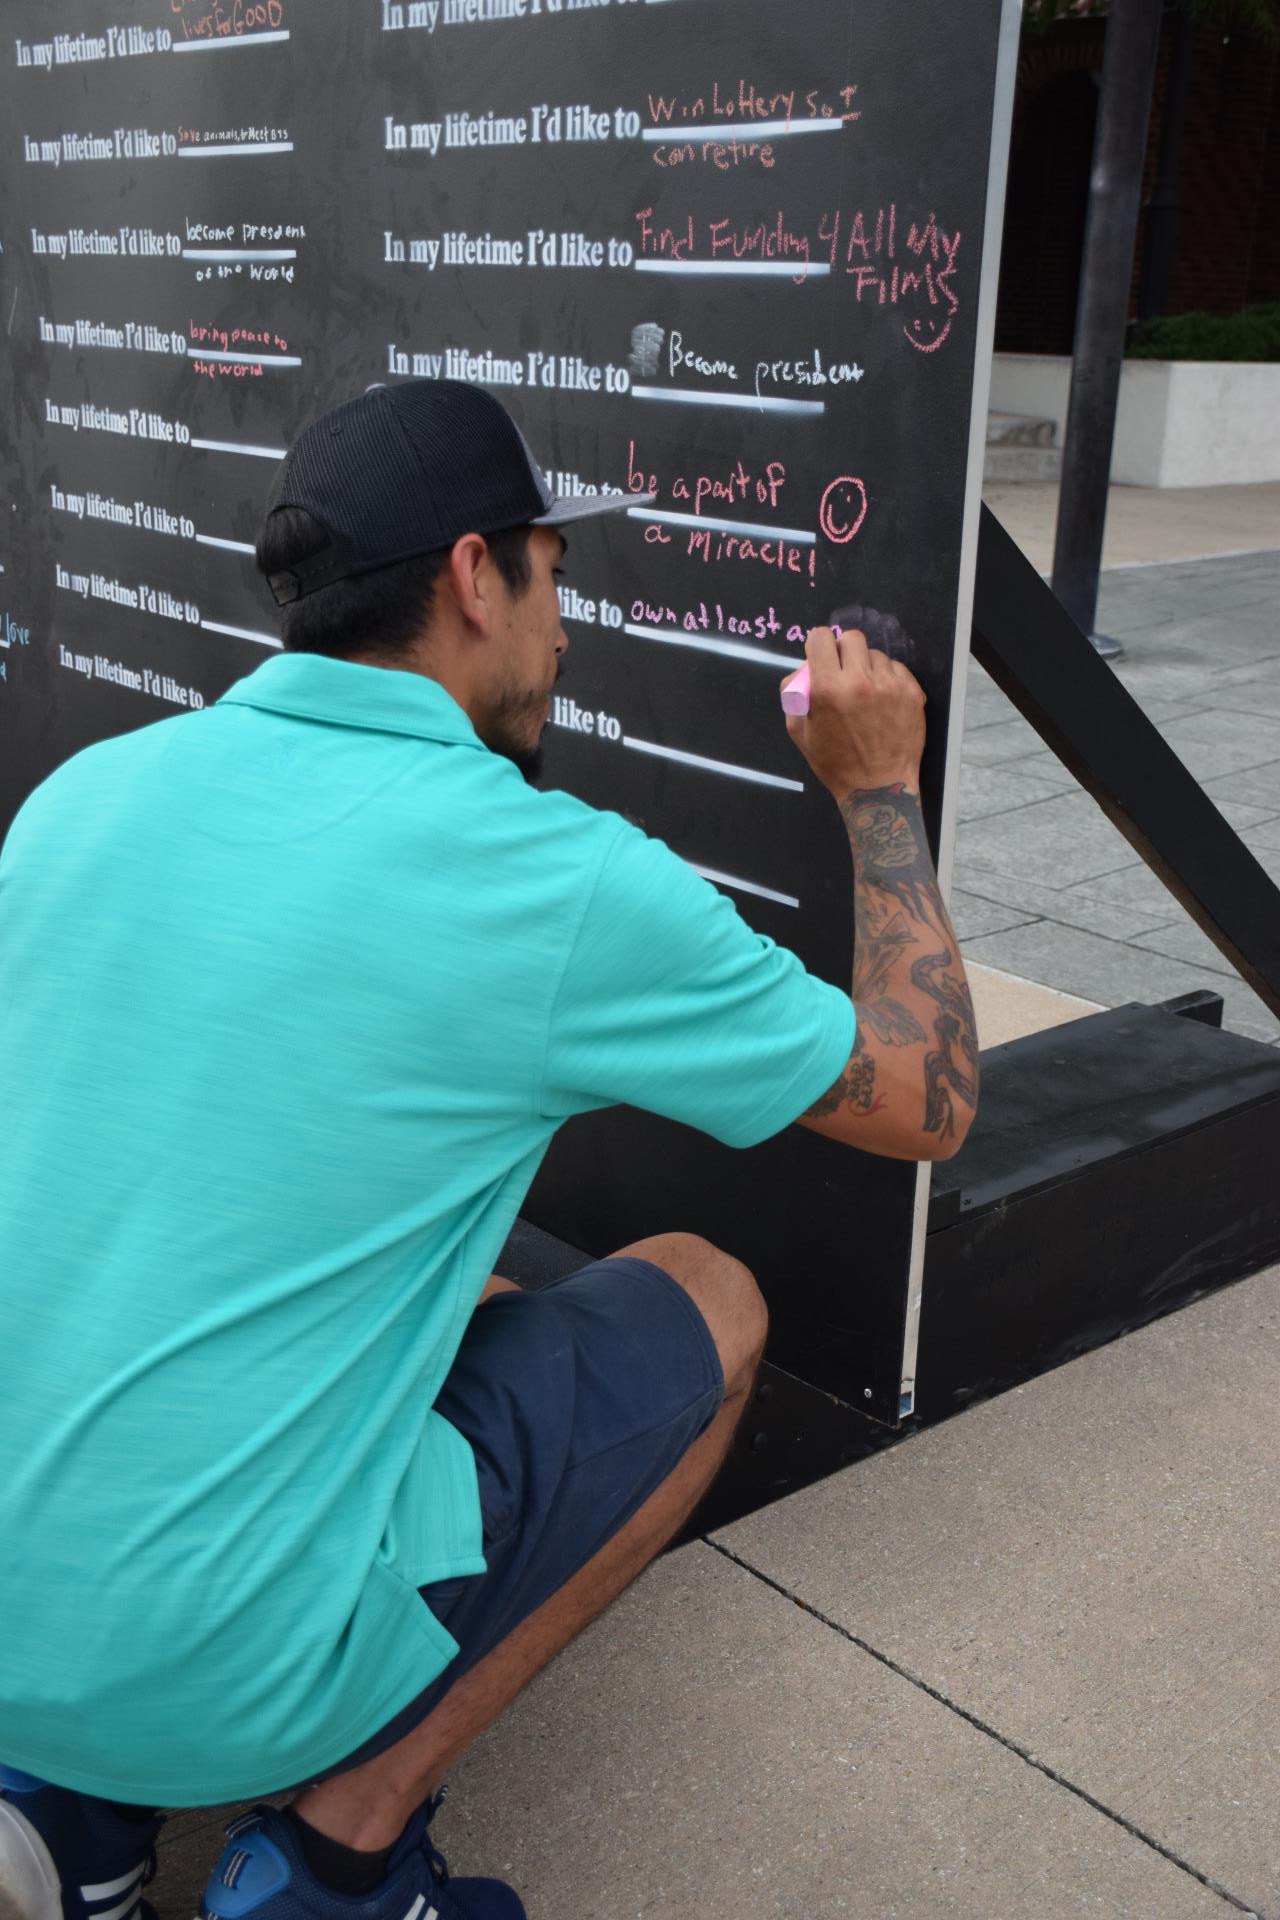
[[757, 130], [245, 146], [232, 546], [245, 359], [230, 40], [745, 886], [242, 633], [239, 446], [713, 766], [239, 253], [748, 527], [750, 402], [802, 269], [731, 649]]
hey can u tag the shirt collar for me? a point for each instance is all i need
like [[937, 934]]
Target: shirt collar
[[342, 693]]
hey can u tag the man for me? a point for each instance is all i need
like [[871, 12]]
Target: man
[[296, 991]]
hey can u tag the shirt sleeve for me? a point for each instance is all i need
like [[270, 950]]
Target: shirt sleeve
[[671, 1002]]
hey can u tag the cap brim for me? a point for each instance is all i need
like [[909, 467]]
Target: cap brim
[[586, 506]]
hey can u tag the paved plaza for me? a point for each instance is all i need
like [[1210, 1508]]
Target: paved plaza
[[1045, 887]]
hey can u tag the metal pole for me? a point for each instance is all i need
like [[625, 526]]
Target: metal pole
[[1115, 191], [1160, 235]]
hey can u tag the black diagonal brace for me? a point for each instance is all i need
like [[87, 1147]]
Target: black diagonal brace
[[1041, 660]]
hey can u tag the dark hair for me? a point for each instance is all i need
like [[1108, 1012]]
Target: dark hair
[[380, 613]]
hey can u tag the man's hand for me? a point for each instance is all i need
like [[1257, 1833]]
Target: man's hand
[[865, 725]]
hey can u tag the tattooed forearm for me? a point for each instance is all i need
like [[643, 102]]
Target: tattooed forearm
[[908, 981], [951, 1068], [856, 1087]]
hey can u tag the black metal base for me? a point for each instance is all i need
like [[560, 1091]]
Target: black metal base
[[1121, 1167]]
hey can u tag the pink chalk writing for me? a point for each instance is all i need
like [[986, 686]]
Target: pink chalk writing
[[891, 261], [713, 618], [733, 486], [747, 102], [236, 339], [227, 370], [214, 19]]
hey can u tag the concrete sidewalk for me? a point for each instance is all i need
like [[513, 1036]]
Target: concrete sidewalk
[[1022, 1667], [1147, 525], [1045, 888], [1027, 1664]]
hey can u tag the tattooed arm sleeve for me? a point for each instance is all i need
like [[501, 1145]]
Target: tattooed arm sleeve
[[910, 1088]]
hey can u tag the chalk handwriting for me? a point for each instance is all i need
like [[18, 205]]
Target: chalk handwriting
[[747, 102], [892, 261], [727, 115], [734, 485], [712, 618], [258, 136], [217, 19]]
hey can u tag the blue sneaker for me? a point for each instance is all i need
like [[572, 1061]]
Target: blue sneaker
[[65, 1856], [262, 1872]]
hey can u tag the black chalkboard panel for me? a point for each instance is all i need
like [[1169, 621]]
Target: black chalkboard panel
[[736, 253]]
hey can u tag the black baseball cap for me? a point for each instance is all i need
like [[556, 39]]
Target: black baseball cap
[[408, 469]]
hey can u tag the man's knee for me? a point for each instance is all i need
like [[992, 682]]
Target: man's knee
[[725, 1293]]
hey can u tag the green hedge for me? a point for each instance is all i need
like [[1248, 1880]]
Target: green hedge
[[1252, 334]]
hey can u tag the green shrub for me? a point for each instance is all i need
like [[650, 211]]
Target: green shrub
[[1251, 334]]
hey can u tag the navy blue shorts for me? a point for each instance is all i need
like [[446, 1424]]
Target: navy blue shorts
[[578, 1400]]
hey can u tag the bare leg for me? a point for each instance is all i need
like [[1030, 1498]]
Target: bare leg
[[368, 1807], [495, 1285]]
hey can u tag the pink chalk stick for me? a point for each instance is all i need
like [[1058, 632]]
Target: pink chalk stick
[[795, 692]]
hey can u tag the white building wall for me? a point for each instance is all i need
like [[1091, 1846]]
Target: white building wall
[[1180, 423]]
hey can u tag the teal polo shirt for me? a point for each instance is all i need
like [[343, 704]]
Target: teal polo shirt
[[294, 993]]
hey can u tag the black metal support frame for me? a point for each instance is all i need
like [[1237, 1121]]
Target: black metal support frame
[[1038, 656]]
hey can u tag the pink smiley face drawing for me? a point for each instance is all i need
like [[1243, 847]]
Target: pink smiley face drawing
[[843, 509], [924, 333]]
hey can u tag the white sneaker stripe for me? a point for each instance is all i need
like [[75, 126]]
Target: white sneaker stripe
[[106, 1888], [417, 1907], [126, 1906]]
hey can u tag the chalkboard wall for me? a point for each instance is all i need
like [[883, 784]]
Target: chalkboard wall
[[735, 253]]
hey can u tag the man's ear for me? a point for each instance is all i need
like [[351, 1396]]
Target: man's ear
[[468, 577]]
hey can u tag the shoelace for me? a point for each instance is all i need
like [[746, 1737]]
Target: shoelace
[[435, 1859]]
